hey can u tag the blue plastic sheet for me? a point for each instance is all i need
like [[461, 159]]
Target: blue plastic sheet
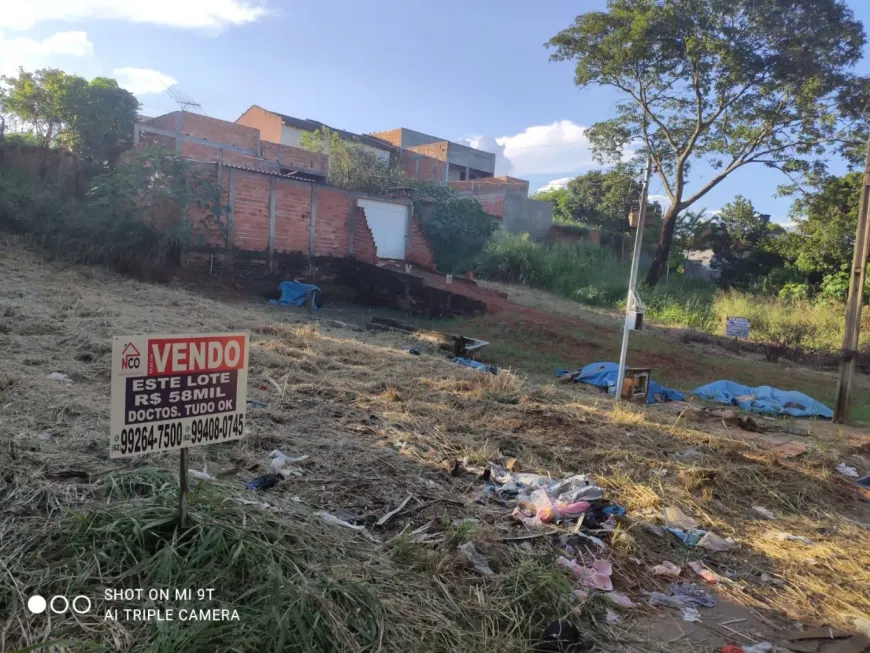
[[475, 365], [763, 399], [294, 293], [604, 375]]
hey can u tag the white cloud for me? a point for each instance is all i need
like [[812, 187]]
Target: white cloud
[[555, 184], [33, 54], [188, 14], [503, 165], [140, 81], [561, 146]]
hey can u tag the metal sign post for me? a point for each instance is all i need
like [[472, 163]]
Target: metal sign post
[[632, 302]]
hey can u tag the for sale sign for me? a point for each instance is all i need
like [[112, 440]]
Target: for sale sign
[[171, 392]]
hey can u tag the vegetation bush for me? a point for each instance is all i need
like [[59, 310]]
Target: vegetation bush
[[134, 217]]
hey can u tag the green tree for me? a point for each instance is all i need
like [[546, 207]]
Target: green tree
[[95, 120], [354, 166], [727, 82], [604, 198], [744, 244], [825, 224], [559, 198], [692, 231]]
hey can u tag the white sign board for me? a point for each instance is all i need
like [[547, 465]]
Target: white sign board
[[737, 327], [177, 391]]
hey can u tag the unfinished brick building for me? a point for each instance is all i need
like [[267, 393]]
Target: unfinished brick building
[[284, 220]]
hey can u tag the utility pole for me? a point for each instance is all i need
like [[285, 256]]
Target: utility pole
[[631, 301], [854, 302]]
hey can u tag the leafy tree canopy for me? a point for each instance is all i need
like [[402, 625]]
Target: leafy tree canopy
[[94, 119], [599, 198], [744, 244], [826, 221], [727, 82]]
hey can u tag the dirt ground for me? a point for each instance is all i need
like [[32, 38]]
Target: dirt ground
[[381, 426]]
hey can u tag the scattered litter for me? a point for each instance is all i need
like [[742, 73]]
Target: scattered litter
[[202, 476], [761, 647], [788, 537], [864, 481], [512, 465], [45, 436], [667, 569], [597, 576], [383, 520], [280, 461], [689, 538], [764, 512], [561, 636], [845, 470], [251, 403], [730, 649], [691, 614], [681, 595], [611, 617], [714, 543], [617, 598], [476, 559], [264, 482], [258, 504], [60, 376], [475, 365], [329, 518], [676, 518], [582, 595], [709, 576], [655, 530], [413, 351]]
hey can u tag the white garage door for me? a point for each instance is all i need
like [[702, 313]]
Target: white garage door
[[389, 225]]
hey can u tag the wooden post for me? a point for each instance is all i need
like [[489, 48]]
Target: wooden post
[[182, 494], [854, 302]]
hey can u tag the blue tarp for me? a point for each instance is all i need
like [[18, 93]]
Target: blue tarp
[[604, 375], [475, 365], [763, 399], [294, 293]]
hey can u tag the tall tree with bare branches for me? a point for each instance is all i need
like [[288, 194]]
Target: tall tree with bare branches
[[727, 82]]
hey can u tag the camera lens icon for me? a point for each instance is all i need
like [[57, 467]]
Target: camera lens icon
[[59, 604]]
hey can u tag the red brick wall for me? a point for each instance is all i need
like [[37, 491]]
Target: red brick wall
[[292, 216], [393, 136], [267, 122], [421, 167], [492, 204], [250, 211], [364, 248], [295, 157], [331, 226], [417, 250], [219, 131], [435, 150], [489, 185]]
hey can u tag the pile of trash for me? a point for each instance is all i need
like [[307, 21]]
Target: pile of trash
[[538, 500]]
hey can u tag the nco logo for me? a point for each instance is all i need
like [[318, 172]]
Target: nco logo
[[59, 604]]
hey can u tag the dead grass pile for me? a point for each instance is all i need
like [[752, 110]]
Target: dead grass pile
[[379, 426]]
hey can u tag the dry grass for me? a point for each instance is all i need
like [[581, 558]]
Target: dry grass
[[378, 424]]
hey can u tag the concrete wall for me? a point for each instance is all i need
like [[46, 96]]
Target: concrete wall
[[465, 156], [527, 216]]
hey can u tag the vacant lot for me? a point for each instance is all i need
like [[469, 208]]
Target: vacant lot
[[379, 427]]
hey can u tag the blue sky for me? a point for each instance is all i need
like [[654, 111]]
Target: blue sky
[[457, 69]]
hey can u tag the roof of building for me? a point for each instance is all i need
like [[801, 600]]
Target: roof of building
[[313, 125]]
